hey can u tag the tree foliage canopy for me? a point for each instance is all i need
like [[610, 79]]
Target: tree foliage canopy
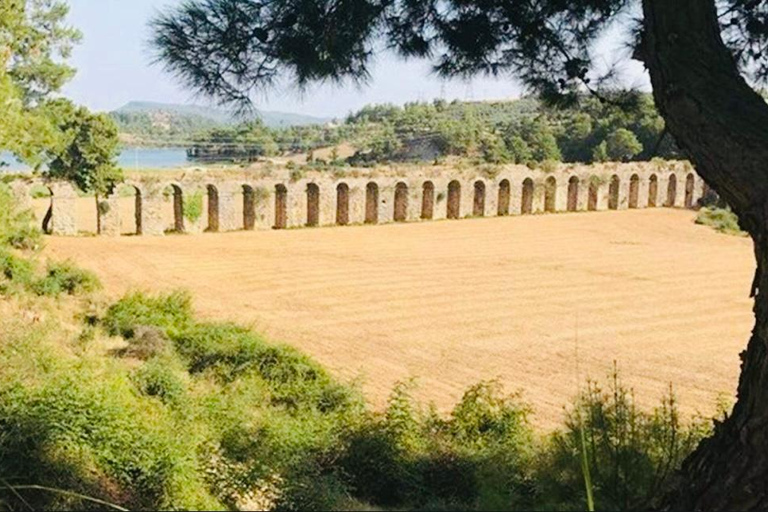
[[86, 147], [230, 49]]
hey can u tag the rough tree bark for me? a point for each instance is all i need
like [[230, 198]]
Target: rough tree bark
[[722, 124]]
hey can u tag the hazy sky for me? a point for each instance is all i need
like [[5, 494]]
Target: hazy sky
[[114, 67]]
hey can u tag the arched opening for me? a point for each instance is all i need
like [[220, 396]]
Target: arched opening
[[634, 191], [454, 200], [690, 182], [505, 191], [653, 191], [249, 208], [550, 194], [175, 196], [478, 209], [401, 202], [372, 203], [130, 208], [313, 205], [281, 207], [671, 192], [42, 201], [342, 204], [594, 193], [613, 193], [573, 194], [527, 200], [428, 201], [213, 209]]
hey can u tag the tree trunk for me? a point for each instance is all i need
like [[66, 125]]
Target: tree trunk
[[722, 124]]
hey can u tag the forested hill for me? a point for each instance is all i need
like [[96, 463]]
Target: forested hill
[[148, 123], [520, 131]]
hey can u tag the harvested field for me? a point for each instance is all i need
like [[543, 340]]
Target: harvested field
[[452, 303]]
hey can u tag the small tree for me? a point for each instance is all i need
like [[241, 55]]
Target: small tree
[[86, 150], [600, 153], [622, 145], [519, 151]]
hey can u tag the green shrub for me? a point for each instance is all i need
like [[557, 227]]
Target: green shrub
[[146, 343], [478, 458], [193, 207], [66, 277], [631, 454], [160, 377], [16, 225], [723, 220], [169, 313], [77, 426], [15, 268]]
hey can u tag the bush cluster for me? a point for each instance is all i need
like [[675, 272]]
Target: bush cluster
[[214, 415]]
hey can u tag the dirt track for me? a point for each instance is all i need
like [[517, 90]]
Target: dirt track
[[453, 303]]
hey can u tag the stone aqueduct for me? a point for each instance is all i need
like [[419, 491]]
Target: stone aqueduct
[[280, 199]]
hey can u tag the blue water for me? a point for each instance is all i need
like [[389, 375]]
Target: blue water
[[129, 159]]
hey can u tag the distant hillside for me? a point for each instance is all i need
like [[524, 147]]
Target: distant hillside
[[218, 116]]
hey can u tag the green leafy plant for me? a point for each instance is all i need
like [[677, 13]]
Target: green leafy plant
[[193, 206]]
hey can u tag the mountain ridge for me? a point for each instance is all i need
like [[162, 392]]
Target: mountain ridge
[[272, 119]]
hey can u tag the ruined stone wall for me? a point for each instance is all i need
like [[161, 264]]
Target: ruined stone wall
[[382, 195]]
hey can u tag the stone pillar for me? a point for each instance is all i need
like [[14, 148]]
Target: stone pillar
[[515, 195], [64, 203], [109, 216], [415, 192], [152, 222], [228, 196], [357, 202], [561, 193], [539, 195], [643, 191], [386, 200], [328, 205], [441, 199], [583, 200], [624, 182], [264, 205]]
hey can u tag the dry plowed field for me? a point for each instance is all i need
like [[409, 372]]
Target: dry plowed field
[[453, 303]]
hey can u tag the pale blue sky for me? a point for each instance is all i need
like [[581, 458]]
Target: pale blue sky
[[114, 67]]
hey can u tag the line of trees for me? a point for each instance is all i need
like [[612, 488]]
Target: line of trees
[[521, 131]]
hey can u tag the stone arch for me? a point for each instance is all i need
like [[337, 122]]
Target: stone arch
[[138, 214], [428, 201], [527, 199], [401, 202], [178, 207], [281, 206], [505, 193], [372, 203], [342, 204], [671, 192], [573, 194], [653, 191], [313, 205], [690, 183], [550, 195], [594, 193], [213, 209], [634, 191], [478, 208], [454, 200], [613, 192], [249, 208]]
